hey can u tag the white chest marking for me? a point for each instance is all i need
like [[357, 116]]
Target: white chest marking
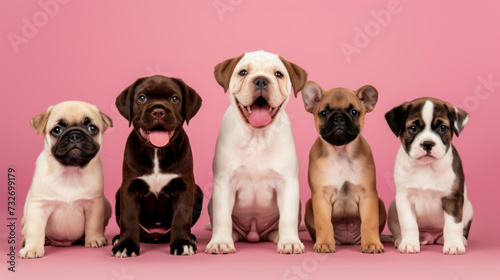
[[156, 180]]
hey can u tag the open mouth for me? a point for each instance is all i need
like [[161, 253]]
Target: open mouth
[[259, 113], [157, 136]]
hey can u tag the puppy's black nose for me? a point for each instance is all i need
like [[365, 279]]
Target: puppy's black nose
[[427, 145], [158, 113], [261, 83], [338, 120], [75, 137]]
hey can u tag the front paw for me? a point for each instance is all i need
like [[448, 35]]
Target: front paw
[[409, 246], [373, 248], [96, 242], [32, 252], [125, 249], [454, 248], [324, 247], [217, 247], [183, 248], [291, 247]]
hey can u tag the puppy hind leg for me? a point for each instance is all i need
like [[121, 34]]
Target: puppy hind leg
[[393, 224]]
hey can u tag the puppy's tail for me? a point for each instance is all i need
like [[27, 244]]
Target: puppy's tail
[[384, 238], [208, 226]]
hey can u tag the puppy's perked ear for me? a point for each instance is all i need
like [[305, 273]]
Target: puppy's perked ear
[[125, 103], [224, 70], [311, 94], [458, 118], [396, 118], [39, 122], [368, 95], [298, 76], [191, 101]]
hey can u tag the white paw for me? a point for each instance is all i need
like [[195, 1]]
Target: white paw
[[216, 247], [293, 247], [454, 248], [123, 254], [409, 246], [96, 242], [31, 252], [397, 241], [187, 250]]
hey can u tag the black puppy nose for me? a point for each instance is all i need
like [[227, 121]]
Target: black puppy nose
[[427, 145], [261, 83], [75, 137], [158, 113], [338, 120]]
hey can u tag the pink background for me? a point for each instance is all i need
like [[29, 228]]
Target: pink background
[[92, 50]]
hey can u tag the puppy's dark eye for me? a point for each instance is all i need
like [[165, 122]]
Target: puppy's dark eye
[[323, 113], [174, 99], [56, 131], [354, 113], [443, 128], [142, 98], [93, 129], [278, 74], [243, 72], [413, 129]]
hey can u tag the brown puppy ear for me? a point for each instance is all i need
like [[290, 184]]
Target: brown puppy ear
[[125, 101], [458, 118], [298, 76], [39, 122], [368, 95], [224, 70], [191, 101], [396, 118], [311, 94], [108, 122]]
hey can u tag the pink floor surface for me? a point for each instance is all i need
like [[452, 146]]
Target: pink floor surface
[[260, 261]]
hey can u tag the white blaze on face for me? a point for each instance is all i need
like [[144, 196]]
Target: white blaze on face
[[427, 134], [260, 107]]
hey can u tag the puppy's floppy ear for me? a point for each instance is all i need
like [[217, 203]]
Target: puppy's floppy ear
[[458, 118], [311, 94], [368, 95], [298, 76], [191, 101], [396, 118], [125, 103], [108, 122], [224, 70], [39, 122]]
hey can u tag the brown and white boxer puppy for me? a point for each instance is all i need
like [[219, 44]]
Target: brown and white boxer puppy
[[158, 200], [256, 169], [66, 203], [431, 204], [344, 208]]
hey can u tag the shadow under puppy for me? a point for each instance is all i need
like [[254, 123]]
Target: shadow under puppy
[[344, 208], [431, 204], [66, 203], [158, 200]]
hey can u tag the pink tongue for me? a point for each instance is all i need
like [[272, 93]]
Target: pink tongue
[[260, 115], [159, 138]]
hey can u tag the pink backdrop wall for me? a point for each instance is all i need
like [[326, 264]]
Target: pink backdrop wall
[[53, 51]]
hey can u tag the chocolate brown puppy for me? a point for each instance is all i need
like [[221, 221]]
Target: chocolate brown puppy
[[158, 200], [344, 208]]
